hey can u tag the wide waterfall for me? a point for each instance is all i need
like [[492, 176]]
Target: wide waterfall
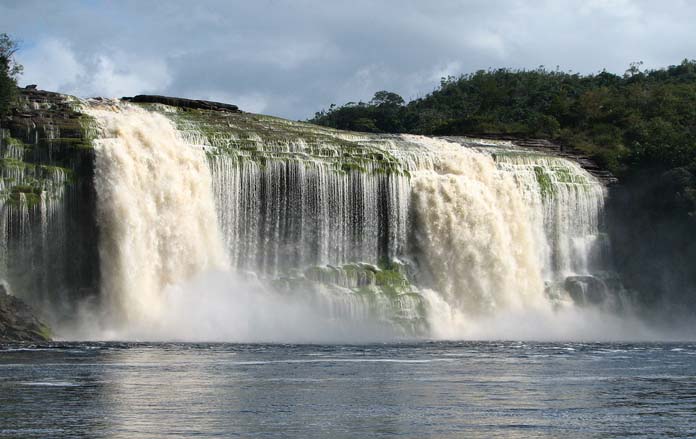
[[216, 216]]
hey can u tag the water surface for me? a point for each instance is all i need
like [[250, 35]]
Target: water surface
[[439, 390]]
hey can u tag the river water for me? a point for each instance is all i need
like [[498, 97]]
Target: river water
[[439, 390]]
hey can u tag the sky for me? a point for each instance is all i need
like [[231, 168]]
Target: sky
[[292, 58]]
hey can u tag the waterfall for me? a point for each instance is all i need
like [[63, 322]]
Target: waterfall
[[287, 213], [567, 204], [425, 235], [475, 231], [155, 210]]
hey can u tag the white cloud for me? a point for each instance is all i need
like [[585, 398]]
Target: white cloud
[[51, 64], [487, 41], [612, 8], [126, 77]]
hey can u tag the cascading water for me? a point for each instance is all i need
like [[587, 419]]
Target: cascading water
[[475, 231], [155, 210], [411, 232], [294, 213], [567, 204]]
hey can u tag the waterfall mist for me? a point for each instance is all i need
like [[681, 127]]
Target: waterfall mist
[[220, 306], [564, 323]]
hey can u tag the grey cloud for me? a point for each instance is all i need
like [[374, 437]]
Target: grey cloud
[[291, 58]]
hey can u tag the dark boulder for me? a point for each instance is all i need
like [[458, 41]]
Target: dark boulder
[[18, 322]]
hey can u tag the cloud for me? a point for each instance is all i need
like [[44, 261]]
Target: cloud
[[294, 58], [119, 76], [54, 65]]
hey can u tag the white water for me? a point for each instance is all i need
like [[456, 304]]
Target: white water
[[565, 323], [565, 214], [155, 211], [219, 306], [475, 232]]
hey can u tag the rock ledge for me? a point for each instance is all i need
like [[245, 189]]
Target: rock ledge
[[183, 103]]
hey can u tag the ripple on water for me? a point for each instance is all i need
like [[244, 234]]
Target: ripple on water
[[50, 384], [443, 390]]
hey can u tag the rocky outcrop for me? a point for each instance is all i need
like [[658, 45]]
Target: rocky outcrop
[[18, 322], [183, 103], [50, 130]]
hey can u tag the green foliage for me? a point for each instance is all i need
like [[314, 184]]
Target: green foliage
[[392, 283], [45, 332], [9, 70], [385, 113], [7, 92]]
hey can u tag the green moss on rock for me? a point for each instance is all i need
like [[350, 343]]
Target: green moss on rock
[[259, 137], [545, 183]]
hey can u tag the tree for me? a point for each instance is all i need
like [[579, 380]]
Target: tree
[[9, 71], [387, 98], [633, 69]]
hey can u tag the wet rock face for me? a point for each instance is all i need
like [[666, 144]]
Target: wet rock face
[[48, 200], [586, 290], [18, 322]]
